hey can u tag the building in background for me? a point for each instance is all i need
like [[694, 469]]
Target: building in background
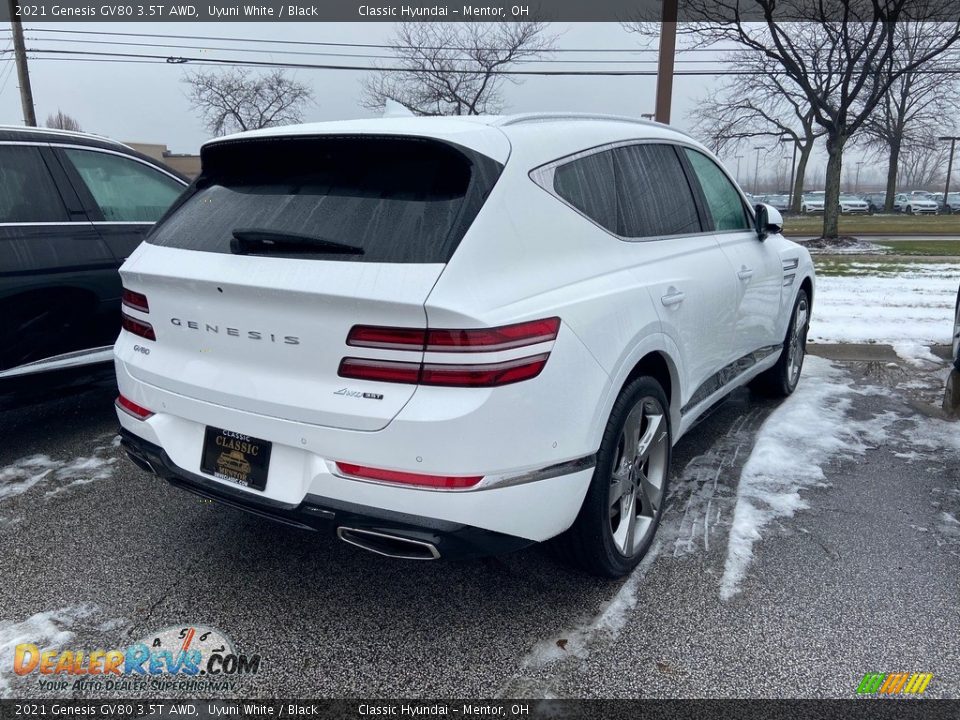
[[184, 163]]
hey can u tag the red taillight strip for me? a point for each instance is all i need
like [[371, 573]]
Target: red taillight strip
[[446, 482], [132, 409], [483, 375], [137, 327], [135, 301], [493, 339], [506, 337], [380, 370], [479, 375]]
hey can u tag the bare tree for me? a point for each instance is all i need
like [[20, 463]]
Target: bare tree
[[923, 163], [917, 105], [839, 54], [61, 121], [761, 106], [453, 68], [237, 99]]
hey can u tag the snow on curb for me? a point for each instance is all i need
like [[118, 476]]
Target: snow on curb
[[810, 428]]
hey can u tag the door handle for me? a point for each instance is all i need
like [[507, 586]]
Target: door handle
[[745, 273], [673, 297]]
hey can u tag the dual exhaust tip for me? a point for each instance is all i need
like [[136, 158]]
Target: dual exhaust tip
[[392, 546]]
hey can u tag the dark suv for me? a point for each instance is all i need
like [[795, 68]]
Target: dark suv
[[72, 208]]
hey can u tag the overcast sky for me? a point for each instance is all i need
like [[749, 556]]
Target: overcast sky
[[147, 103]]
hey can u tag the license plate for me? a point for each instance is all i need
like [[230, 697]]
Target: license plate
[[235, 457]]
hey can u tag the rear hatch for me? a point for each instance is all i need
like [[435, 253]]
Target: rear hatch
[[255, 279]]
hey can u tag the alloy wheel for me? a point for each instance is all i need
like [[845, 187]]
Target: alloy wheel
[[797, 342], [638, 478]]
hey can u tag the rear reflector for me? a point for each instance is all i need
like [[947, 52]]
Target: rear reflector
[[446, 482], [450, 340], [135, 300], [137, 327], [132, 409]]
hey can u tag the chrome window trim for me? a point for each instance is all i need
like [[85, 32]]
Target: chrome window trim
[[77, 222]]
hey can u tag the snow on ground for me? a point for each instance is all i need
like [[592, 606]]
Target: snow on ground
[[809, 429], [911, 305], [46, 630], [21, 475]]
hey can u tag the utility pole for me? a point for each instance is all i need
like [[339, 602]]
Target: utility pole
[[946, 190], [668, 47], [23, 75], [738, 158], [756, 170]]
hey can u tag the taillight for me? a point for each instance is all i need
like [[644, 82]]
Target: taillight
[[461, 374], [135, 300], [446, 482], [132, 409], [506, 337], [137, 327]]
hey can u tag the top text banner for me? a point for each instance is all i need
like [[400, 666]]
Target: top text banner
[[36, 11]]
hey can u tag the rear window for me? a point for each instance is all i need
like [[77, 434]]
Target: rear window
[[402, 200]]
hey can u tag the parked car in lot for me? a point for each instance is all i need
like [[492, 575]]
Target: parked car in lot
[[853, 205], [914, 204], [811, 202], [72, 208], [453, 336], [953, 203], [927, 195], [780, 202], [875, 201]]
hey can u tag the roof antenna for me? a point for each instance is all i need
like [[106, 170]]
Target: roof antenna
[[391, 108]]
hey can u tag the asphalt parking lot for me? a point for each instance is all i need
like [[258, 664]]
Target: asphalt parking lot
[[859, 576]]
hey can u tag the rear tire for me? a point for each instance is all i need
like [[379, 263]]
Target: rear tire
[[624, 503], [781, 379], [956, 334]]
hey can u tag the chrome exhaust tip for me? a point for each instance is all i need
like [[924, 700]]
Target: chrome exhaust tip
[[392, 546]]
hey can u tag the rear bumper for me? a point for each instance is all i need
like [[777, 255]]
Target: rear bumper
[[451, 540]]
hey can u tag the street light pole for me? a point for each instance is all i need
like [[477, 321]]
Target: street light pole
[[738, 158], [756, 170], [856, 183], [946, 190], [793, 165]]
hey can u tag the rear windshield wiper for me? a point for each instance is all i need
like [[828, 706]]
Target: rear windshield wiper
[[255, 241]]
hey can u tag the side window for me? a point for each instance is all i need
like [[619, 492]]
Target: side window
[[723, 200], [589, 184], [124, 189], [27, 191], [654, 197]]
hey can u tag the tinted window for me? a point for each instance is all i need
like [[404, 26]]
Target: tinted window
[[589, 184], [723, 200], [125, 189], [400, 200], [27, 192], [654, 198]]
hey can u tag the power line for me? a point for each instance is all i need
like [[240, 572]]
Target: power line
[[376, 46], [310, 53]]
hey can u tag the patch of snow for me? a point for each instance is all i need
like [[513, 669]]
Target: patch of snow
[[23, 474], [916, 354], [47, 630], [914, 304], [810, 428]]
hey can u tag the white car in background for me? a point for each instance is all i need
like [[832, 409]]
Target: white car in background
[[811, 202], [853, 205], [445, 337], [914, 204]]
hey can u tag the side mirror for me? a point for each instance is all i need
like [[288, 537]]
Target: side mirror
[[769, 221]]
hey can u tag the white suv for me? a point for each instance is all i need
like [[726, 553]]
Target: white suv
[[453, 336]]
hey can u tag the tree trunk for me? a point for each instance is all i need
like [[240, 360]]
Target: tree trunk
[[831, 190], [805, 151], [892, 169]]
